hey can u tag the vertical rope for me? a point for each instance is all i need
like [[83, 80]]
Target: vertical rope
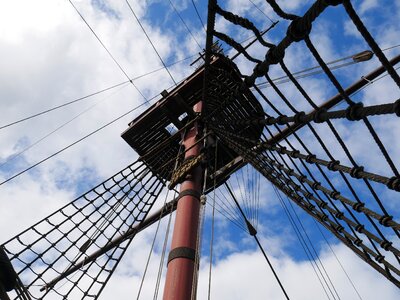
[[151, 248], [212, 225], [198, 247], [337, 259], [160, 268], [199, 231]]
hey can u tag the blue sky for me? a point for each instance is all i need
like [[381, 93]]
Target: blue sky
[[52, 58]]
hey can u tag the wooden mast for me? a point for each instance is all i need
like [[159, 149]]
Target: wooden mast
[[181, 259]]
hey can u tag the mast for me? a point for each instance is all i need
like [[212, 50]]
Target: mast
[[161, 148], [181, 259]]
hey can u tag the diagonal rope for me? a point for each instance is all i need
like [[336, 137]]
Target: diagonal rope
[[75, 142], [105, 48], [93, 94], [151, 43], [300, 238], [14, 156], [337, 259], [198, 15], [253, 233], [184, 23], [261, 11]]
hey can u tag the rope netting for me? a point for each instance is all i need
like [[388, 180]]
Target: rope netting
[[310, 151], [307, 148], [70, 253]]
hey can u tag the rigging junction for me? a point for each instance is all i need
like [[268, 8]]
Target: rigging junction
[[196, 136]]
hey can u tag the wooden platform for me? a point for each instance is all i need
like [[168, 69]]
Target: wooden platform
[[152, 136]]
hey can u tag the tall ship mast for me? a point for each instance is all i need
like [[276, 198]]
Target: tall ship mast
[[216, 140]]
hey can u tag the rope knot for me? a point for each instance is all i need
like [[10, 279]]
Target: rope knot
[[320, 115], [270, 120], [357, 206], [315, 185], [334, 195], [310, 206], [332, 165], [295, 153], [298, 29], [203, 199], [386, 245], [355, 172], [303, 178], [324, 218], [299, 198], [248, 81], [339, 215], [396, 108], [310, 158], [380, 258], [358, 242], [360, 228], [261, 69], [299, 117], [339, 228], [281, 120], [274, 55], [282, 150], [353, 112], [259, 121], [384, 220], [323, 204], [394, 183]]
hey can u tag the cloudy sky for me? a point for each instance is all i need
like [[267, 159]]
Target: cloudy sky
[[49, 57]]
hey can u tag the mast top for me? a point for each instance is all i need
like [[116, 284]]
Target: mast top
[[156, 133]]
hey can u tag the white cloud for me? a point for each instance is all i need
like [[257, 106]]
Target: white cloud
[[49, 57], [368, 5], [247, 276]]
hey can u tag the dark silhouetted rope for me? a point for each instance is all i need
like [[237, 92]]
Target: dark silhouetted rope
[[370, 40]]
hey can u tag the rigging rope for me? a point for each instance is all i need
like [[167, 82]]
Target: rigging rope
[[314, 254], [198, 15], [212, 222], [14, 156], [289, 170], [75, 142], [300, 238], [106, 49], [164, 249], [253, 233], [355, 57], [62, 105], [337, 259], [93, 94], [152, 247], [184, 23], [131, 192], [151, 43], [261, 11]]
